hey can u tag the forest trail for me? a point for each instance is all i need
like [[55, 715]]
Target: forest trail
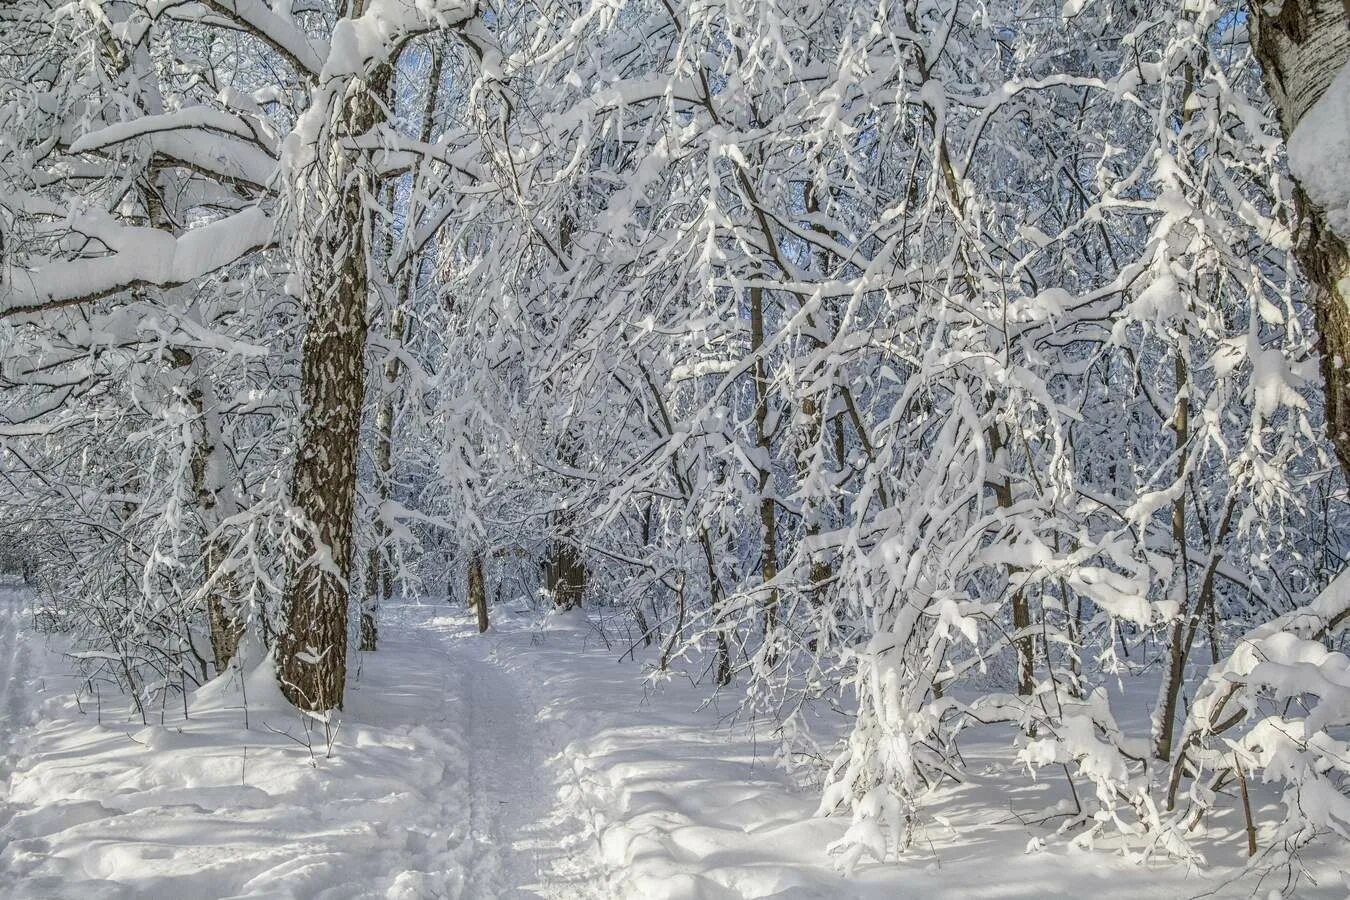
[[15, 658], [519, 842]]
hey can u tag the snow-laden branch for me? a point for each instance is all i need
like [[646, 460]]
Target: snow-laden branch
[[200, 138], [137, 257], [306, 54]]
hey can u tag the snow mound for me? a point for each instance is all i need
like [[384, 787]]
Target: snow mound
[[574, 619]]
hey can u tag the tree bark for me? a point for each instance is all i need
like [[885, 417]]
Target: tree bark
[[379, 571], [1302, 48], [1023, 640], [312, 651], [565, 573], [224, 618], [768, 560], [478, 596], [1178, 646]]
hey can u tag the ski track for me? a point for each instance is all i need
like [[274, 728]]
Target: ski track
[[503, 797], [522, 845]]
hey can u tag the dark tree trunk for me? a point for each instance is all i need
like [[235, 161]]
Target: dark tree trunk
[[1023, 640], [477, 595], [565, 574], [1178, 646], [312, 655], [312, 650]]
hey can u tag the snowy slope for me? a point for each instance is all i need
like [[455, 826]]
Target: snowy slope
[[524, 763]]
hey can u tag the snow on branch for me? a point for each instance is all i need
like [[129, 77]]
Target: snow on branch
[[137, 256]]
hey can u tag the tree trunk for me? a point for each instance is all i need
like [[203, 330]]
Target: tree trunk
[[768, 560], [478, 596], [565, 572], [223, 615], [1023, 640], [370, 605], [379, 571], [1302, 48], [312, 651], [224, 619], [1178, 648]]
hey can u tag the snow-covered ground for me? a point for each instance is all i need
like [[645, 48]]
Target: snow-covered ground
[[521, 763], [432, 786]]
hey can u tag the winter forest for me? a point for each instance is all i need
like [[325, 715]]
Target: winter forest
[[674, 449]]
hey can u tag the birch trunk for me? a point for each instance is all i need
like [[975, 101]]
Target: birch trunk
[[1302, 46], [224, 618]]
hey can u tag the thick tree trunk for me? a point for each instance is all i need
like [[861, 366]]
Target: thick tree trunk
[[312, 655], [312, 651], [565, 573], [1302, 48], [313, 647]]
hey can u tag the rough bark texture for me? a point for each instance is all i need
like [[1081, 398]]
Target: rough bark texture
[[565, 574], [312, 650], [370, 629], [565, 568], [478, 596], [1302, 47], [313, 647]]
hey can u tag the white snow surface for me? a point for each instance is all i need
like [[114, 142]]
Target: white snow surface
[[1319, 153], [524, 763]]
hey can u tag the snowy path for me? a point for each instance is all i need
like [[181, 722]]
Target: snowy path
[[15, 656], [511, 789], [508, 788]]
